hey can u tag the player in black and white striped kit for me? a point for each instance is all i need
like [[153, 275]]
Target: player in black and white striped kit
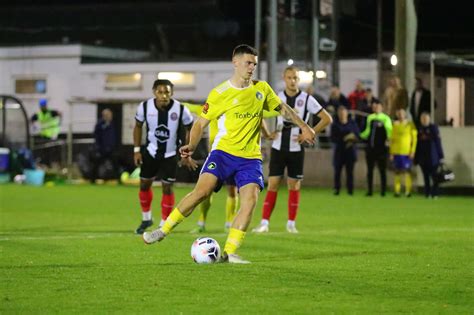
[[287, 151], [167, 120]]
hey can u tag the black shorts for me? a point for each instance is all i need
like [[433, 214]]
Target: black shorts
[[292, 161], [161, 168]]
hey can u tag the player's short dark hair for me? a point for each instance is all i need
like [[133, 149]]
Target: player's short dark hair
[[162, 82], [244, 49]]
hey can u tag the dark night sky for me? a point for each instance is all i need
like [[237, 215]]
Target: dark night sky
[[208, 29]]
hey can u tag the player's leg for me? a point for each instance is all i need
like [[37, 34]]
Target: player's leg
[[295, 176], [249, 179], [268, 204], [214, 171], [203, 189], [148, 171], [203, 207], [397, 183], [277, 169], [249, 196], [231, 205], [145, 196], [294, 186], [167, 200], [167, 170]]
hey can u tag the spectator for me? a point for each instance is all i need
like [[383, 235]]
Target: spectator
[[49, 121], [395, 96], [336, 99], [105, 146], [377, 132], [344, 135], [420, 101], [429, 154], [402, 151], [365, 108], [46, 127], [356, 96]]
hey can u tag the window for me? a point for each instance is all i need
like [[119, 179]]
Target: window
[[30, 86], [179, 79], [123, 81]]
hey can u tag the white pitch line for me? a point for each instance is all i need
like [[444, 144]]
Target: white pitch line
[[15, 237]]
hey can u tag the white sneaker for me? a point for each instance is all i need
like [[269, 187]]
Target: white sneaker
[[291, 229], [153, 237], [236, 259], [262, 228]]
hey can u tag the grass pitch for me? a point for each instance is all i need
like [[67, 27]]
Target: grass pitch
[[70, 249]]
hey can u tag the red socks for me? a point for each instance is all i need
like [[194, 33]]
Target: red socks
[[167, 204], [145, 199], [293, 204], [269, 204]]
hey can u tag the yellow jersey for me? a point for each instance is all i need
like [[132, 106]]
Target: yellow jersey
[[238, 113], [403, 139]]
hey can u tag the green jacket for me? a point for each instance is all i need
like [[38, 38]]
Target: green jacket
[[49, 124]]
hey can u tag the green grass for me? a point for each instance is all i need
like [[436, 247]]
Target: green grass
[[70, 249]]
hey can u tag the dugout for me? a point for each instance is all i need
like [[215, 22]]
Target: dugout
[[14, 124]]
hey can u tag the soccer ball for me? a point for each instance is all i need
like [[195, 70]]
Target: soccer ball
[[205, 250]]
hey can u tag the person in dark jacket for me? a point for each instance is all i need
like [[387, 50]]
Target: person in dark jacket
[[429, 154], [420, 102], [377, 132], [336, 99], [105, 146], [344, 135], [365, 107]]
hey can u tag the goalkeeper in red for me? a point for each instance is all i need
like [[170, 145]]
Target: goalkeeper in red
[[237, 104]]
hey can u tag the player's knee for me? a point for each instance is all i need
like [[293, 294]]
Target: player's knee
[[202, 194], [167, 188], [145, 185]]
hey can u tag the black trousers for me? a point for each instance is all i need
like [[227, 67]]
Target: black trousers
[[431, 187], [379, 159], [338, 166]]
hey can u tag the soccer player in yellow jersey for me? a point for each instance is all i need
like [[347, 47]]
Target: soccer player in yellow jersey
[[402, 150], [232, 199], [237, 104]]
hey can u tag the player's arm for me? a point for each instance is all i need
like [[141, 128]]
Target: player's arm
[[325, 120], [307, 133], [265, 132], [194, 137], [137, 140]]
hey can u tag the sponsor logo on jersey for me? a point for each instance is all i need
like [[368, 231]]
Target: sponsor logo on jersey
[[162, 133], [248, 115], [211, 165], [259, 96], [174, 116], [205, 108]]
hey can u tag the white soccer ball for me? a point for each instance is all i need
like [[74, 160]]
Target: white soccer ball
[[205, 250]]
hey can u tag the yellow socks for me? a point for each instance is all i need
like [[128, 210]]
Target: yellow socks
[[230, 208], [234, 240], [172, 221], [204, 207], [398, 184], [408, 183]]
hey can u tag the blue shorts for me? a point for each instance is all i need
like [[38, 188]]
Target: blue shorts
[[401, 162], [234, 170]]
